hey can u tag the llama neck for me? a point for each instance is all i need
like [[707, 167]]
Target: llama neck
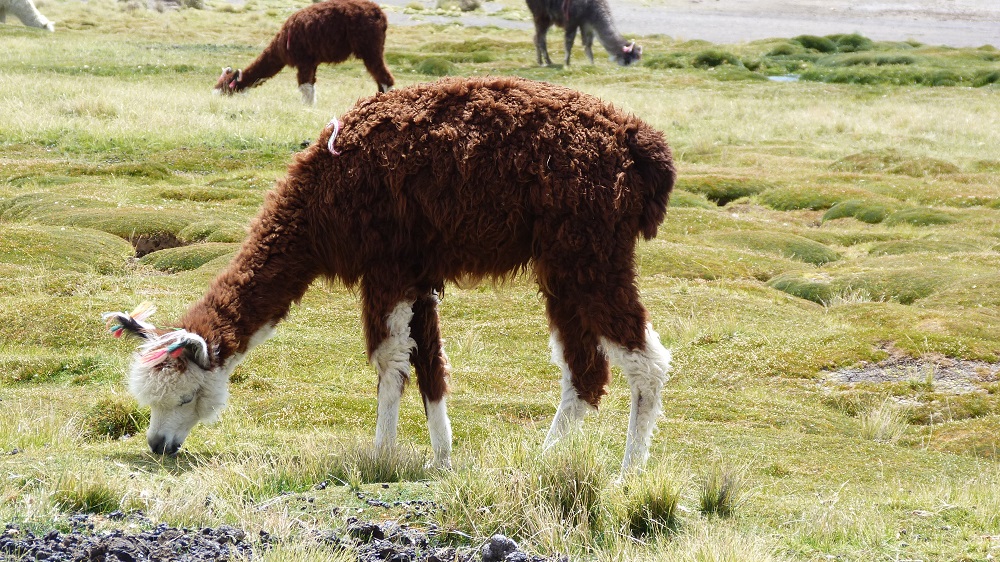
[[266, 65], [607, 34], [255, 292]]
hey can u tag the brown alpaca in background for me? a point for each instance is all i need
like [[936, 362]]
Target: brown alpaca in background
[[462, 178], [330, 32]]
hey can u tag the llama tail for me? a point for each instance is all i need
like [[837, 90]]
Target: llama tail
[[655, 165]]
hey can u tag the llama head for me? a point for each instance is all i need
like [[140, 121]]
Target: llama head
[[229, 81], [630, 53], [173, 373]]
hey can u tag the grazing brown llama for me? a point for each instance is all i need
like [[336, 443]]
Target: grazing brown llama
[[328, 31], [588, 16], [478, 177]]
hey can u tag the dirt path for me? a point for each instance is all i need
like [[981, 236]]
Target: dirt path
[[957, 23]]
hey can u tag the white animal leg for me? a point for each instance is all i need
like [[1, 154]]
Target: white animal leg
[[439, 428], [308, 93], [572, 409], [392, 360], [646, 371]]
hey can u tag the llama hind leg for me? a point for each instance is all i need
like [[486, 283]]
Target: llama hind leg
[[646, 366], [307, 83], [431, 365], [390, 346]]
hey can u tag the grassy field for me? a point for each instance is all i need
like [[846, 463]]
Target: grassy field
[[847, 222]]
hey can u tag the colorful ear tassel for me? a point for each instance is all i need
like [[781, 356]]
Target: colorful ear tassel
[[118, 322], [172, 345]]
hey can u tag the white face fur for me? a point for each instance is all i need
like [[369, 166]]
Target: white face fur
[[180, 393]]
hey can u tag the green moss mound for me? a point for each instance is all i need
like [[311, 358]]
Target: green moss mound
[[860, 209], [900, 247], [43, 368], [723, 189], [852, 42], [435, 66], [711, 58], [687, 261], [789, 245], [813, 198], [187, 257], [679, 198], [904, 286], [893, 162], [212, 231], [920, 216], [816, 43], [65, 248], [33, 205]]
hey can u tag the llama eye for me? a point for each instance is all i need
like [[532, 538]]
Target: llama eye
[[186, 399]]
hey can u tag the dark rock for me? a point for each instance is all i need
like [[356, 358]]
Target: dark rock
[[497, 548]]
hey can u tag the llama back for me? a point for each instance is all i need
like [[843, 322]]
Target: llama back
[[480, 169]]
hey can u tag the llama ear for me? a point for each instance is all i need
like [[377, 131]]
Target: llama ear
[[239, 75], [131, 323], [175, 345]]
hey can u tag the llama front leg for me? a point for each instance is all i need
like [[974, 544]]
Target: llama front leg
[[431, 365], [646, 370], [391, 359], [570, 38]]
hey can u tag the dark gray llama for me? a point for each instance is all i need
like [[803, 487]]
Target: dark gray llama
[[590, 17]]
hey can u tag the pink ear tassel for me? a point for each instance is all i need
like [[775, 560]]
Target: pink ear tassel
[[154, 357], [232, 85], [177, 352], [333, 137], [628, 48]]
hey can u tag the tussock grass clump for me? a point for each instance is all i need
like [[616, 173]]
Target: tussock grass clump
[[555, 498], [920, 216], [722, 490], [187, 257], [361, 463], [647, 503], [884, 423], [813, 198], [113, 418], [789, 245], [721, 189], [86, 492], [863, 210]]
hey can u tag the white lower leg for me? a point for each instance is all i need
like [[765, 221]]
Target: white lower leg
[[308, 93], [572, 409], [439, 428], [646, 371], [392, 360]]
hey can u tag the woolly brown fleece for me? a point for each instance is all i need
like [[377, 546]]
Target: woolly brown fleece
[[478, 177]]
